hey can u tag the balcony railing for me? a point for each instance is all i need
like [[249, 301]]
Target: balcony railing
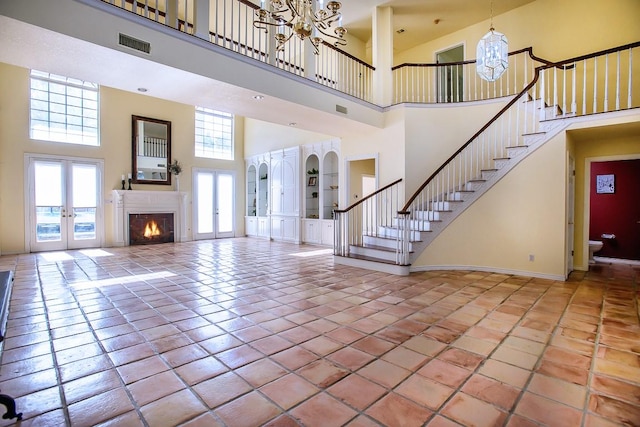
[[459, 82], [230, 25]]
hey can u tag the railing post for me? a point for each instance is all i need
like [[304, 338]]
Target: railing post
[[200, 19], [172, 14]]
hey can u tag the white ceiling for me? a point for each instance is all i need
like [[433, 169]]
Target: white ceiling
[[31, 47]]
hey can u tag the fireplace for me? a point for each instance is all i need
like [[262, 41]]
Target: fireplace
[[151, 228], [139, 202]]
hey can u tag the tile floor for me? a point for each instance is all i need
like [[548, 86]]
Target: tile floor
[[246, 332]]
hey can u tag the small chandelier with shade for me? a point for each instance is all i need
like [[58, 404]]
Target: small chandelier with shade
[[492, 54]]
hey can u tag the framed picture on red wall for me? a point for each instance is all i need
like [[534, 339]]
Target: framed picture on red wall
[[605, 184]]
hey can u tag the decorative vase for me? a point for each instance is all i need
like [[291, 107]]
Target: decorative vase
[[177, 179]]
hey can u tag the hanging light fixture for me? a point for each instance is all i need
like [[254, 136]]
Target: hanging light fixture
[[492, 54], [300, 18]]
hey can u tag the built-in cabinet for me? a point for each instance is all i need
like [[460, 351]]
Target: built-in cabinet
[[295, 191], [257, 200], [285, 194], [321, 195]]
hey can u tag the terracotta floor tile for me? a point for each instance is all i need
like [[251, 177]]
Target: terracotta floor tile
[[200, 370], [558, 390], [261, 372], [350, 358], [622, 371], [505, 373], [515, 357], [30, 383], [289, 390], [239, 356], [372, 345], [461, 358], [155, 387], [91, 385], [615, 410], [141, 369], [222, 389], [424, 391], [564, 372], [405, 358], [322, 373], [323, 409], [491, 391], [621, 390], [294, 358], [424, 345], [547, 412], [99, 408], [165, 411], [384, 373], [470, 411], [356, 391], [444, 372], [321, 345], [249, 410], [396, 410]]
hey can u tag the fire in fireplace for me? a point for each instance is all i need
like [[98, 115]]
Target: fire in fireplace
[[151, 228]]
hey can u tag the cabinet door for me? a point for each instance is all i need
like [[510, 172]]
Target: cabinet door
[[311, 234], [290, 184], [277, 190], [327, 232]]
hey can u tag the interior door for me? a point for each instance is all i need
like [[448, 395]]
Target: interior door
[[64, 210], [214, 204], [571, 194]]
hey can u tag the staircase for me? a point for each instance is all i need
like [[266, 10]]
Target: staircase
[[379, 234]]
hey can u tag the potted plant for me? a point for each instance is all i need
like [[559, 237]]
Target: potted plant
[[175, 168]]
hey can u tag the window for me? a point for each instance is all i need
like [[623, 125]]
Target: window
[[63, 109], [214, 134]]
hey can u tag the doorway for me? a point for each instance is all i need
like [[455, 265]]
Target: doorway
[[449, 81], [64, 203], [614, 211], [213, 204]]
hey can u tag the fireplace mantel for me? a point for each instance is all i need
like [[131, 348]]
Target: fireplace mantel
[[127, 202]]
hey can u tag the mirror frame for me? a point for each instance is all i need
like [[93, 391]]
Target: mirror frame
[[135, 127]]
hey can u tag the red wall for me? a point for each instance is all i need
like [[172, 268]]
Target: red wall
[[617, 213]]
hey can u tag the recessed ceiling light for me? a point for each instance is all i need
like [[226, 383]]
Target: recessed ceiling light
[[258, 97], [293, 124], [142, 89], [400, 31]]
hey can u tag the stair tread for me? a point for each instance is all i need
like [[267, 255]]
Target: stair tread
[[533, 133], [370, 258], [378, 247], [502, 158], [488, 170], [518, 146], [477, 180]]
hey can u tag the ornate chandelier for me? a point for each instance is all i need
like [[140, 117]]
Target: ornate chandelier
[[300, 18], [492, 54]]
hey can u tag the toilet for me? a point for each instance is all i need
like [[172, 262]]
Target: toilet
[[594, 246]]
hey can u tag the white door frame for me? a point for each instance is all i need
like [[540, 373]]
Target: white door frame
[[30, 187], [216, 234]]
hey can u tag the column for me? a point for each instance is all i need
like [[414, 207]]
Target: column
[[382, 55], [201, 19]]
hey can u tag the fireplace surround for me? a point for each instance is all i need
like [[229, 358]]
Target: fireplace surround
[[138, 202]]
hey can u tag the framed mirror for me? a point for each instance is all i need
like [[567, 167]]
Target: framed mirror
[[151, 150]]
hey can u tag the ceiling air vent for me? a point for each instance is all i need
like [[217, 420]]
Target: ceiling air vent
[[133, 43], [341, 109]]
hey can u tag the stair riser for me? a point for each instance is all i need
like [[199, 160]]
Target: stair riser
[[392, 233], [374, 253], [384, 242], [427, 215]]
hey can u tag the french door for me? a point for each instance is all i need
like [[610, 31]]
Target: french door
[[214, 204], [64, 203]]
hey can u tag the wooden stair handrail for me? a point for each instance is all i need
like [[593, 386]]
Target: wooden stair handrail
[[405, 209], [347, 209]]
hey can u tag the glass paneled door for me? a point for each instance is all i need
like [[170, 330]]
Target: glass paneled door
[[64, 210], [214, 200]]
